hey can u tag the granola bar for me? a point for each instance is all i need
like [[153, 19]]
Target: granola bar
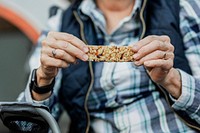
[[110, 54]]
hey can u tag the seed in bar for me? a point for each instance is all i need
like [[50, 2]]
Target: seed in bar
[[110, 54]]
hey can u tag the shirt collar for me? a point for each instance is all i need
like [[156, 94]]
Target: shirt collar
[[89, 9]]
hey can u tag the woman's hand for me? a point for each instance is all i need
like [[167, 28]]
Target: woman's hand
[[58, 51], [156, 53]]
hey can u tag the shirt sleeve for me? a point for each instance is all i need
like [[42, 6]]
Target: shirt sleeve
[[34, 62], [189, 101]]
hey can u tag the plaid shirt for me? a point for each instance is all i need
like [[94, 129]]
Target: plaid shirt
[[139, 107]]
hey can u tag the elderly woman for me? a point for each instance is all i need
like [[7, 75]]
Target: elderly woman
[[158, 92]]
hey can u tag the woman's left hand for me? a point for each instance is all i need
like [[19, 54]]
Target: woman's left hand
[[156, 53]]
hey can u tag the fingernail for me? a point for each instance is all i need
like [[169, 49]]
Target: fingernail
[[137, 63], [85, 49], [85, 57], [146, 63], [135, 56], [135, 47]]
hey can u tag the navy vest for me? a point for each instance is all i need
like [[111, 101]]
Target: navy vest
[[161, 18]]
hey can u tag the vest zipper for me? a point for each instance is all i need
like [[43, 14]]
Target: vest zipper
[[91, 71], [142, 18], [166, 97]]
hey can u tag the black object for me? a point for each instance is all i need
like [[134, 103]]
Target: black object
[[40, 90], [27, 117]]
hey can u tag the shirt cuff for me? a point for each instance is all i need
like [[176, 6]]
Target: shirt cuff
[[172, 98], [28, 97], [188, 92], [48, 102]]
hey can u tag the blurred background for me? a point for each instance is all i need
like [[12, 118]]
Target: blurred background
[[21, 22]]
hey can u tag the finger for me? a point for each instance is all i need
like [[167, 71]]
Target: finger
[[151, 47], [155, 55], [69, 38], [149, 39], [70, 49], [53, 62], [60, 54], [48, 42], [163, 64]]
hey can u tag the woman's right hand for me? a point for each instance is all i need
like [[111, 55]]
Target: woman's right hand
[[58, 51]]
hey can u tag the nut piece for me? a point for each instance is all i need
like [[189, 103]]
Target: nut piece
[[110, 54]]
